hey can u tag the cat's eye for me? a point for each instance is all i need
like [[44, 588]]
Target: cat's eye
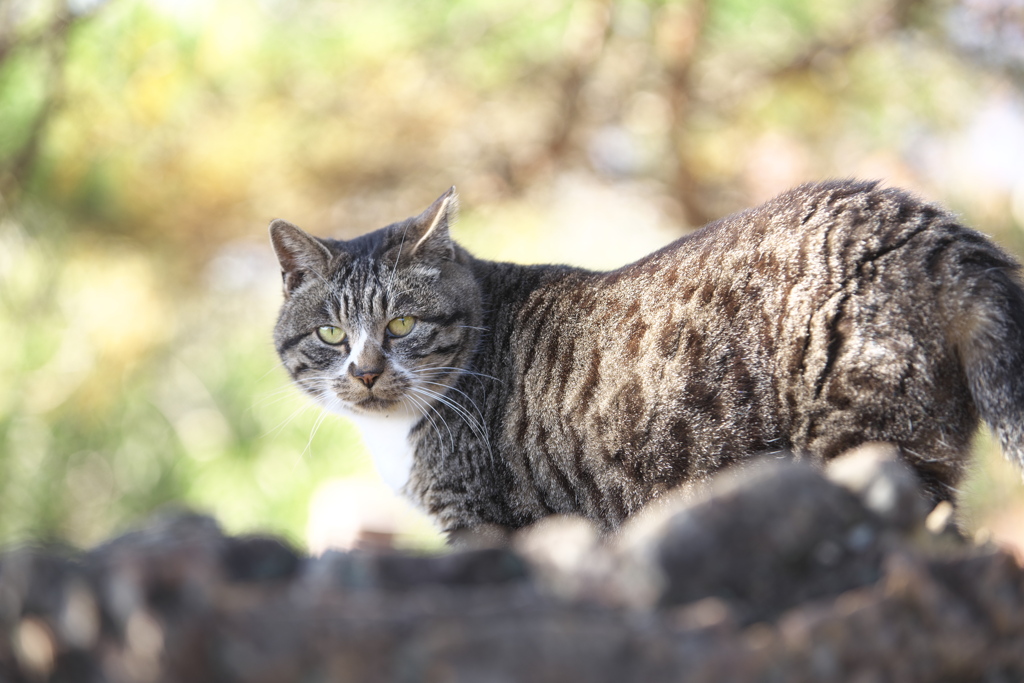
[[330, 334], [399, 327]]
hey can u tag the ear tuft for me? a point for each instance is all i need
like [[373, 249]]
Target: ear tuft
[[429, 233], [299, 253]]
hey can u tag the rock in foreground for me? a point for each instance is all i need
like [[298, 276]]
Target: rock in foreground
[[777, 573]]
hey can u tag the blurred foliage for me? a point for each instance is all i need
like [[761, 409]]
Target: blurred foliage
[[144, 145]]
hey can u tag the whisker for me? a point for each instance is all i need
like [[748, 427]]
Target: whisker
[[312, 433], [320, 396], [275, 367], [459, 391], [466, 371], [398, 257], [443, 373], [477, 427], [440, 440], [267, 397]]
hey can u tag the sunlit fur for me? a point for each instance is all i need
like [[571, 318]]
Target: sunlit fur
[[834, 315]]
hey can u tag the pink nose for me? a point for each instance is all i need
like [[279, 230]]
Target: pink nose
[[367, 377]]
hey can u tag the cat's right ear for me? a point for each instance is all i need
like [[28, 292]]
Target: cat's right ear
[[299, 253], [428, 232]]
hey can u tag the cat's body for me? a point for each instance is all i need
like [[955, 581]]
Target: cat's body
[[834, 315]]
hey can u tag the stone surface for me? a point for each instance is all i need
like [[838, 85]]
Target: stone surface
[[773, 573]]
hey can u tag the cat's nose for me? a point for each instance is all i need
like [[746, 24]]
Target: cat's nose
[[367, 377]]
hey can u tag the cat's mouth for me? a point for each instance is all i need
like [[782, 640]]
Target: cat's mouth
[[374, 404]]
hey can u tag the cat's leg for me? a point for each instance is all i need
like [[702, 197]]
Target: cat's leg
[[880, 369], [939, 457]]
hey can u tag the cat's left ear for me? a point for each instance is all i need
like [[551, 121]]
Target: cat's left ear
[[428, 232], [299, 253]]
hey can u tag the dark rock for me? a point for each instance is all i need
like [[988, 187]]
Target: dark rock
[[885, 485], [391, 571], [259, 558], [767, 538], [775, 573]]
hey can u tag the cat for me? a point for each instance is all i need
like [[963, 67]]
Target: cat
[[495, 394]]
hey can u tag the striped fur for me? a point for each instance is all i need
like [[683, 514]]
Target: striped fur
[[834, 315]]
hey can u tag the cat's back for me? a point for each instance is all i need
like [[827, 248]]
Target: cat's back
[[743, 287], [739, 338], [765, 272], [822, 229]]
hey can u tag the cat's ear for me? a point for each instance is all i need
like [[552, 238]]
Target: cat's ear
[[428, 232], [299, 253]]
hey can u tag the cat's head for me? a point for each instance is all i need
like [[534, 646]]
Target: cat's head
[[382, 323]]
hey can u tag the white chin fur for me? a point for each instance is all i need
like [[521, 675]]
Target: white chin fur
[[386, 435]]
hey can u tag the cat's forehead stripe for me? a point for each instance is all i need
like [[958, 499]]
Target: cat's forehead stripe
[[328, 309], [362, 293]]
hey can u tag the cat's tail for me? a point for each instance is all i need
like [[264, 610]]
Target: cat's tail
[[990, 336]]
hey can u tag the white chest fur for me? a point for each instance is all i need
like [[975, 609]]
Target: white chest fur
[[387, 438]]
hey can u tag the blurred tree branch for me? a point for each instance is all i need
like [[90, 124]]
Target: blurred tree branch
[[898, 17], [679, 40], [11, 42], [992, 34], [586, 39], [679, 33], [51, 41]]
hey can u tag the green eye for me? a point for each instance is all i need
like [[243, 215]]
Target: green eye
[[399, 327], [331, 335]]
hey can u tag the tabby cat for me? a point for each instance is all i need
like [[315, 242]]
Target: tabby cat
[[496, 394]]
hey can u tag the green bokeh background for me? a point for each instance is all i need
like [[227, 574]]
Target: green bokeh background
[[145, 145]]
